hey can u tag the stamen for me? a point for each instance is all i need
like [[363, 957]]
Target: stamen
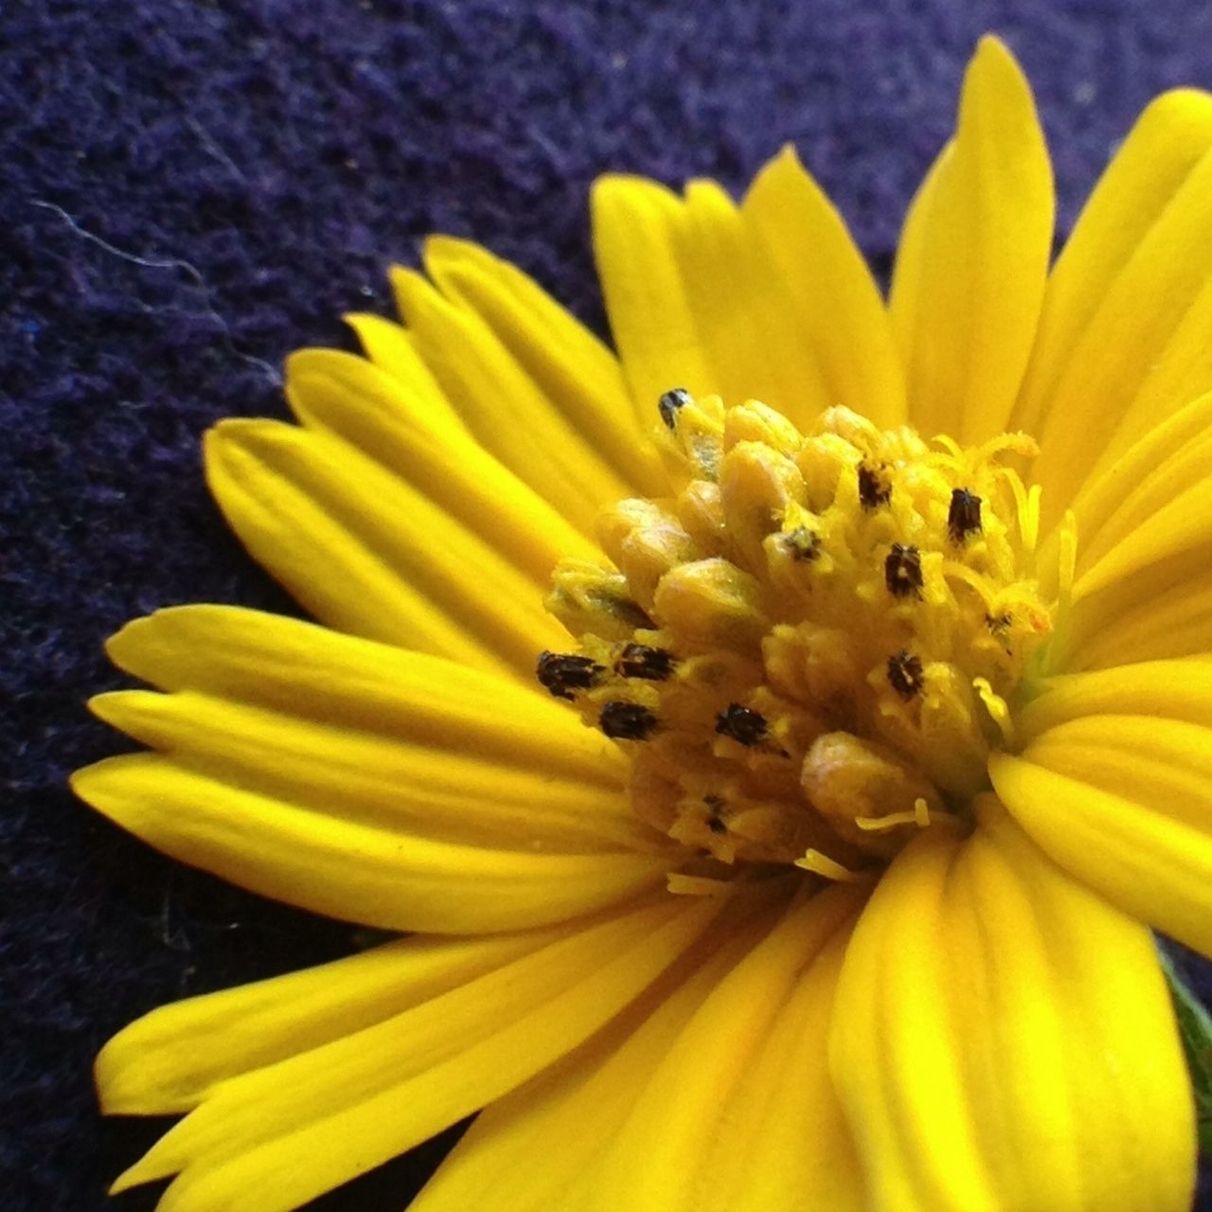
[[681, 884], [802, 544], [742, 724], [1026, 506], [563, 672], [623, 721], [589, 599], [877, 824], [963, 515], [643, 661], [822, 864], [671, 403], [905, 674], [998, 624], [715, 822], [996, 706], [1066, 575], [903, 571], [873, 489], [783, 567], [1028, 517]]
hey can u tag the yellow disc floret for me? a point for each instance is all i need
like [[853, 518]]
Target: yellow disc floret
[[813, 646]]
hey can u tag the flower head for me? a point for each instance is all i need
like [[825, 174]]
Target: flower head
[[778, 739]]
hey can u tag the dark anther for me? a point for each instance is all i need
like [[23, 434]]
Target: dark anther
[[563, 672], [998, 624], [641, 661], [903, 571], [627, 721], [671, 403], [905, 674], [964, 515], [874, 490], [741, 723], [629, 613], [802, 544], [716, 806]]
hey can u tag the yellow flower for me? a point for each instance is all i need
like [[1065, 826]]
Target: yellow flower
[[822, 877]]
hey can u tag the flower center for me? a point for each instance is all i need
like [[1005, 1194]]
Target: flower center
[[811, 649]]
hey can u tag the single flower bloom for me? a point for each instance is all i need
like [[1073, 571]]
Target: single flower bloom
[[777, 740]]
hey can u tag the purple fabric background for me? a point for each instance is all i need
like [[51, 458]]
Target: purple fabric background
[[191, 190]]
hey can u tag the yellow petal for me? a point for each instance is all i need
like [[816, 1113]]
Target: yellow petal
[[368, 553], [1143, 555], [438, 773], [1177, 523], [396, 770], [172, 1059], [1003, 1038], [568, 1115], [635, 225], [1161, 488], [1143, 576], [411, 742], [781, 1141], [413, 392], [688, 1118], [1143, 621], [1164, 764], [282, 664], [359, 871], [1166, 143], [575, 371], [272, 1139], [1149, 474], [503, 406], [973, 259], [1170, 690], [358, 402], [1151, 864], [1115, 786], [836, 304], [694, 300], [1135, 264]]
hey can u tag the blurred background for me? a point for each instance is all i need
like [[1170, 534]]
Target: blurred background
[[189, 191]]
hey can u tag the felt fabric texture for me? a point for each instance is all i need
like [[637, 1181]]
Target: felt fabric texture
[[191, 190]]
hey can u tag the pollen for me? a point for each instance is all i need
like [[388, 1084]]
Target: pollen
[[811, 646]]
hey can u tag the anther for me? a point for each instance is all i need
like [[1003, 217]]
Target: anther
[[963, 515], [641, 661], [905, 674], [741, 723], [998, 624], [561, 673], [671, 403], [874, 490], [627, 721], [802, 544], [714, 821], [903, 571]]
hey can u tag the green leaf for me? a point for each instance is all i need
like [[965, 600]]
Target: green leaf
[[1195, 1026]]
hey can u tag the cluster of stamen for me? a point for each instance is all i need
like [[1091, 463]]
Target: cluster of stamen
[[812, 647]]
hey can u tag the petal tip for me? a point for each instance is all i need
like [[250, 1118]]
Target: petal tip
[[442, 246], [991, 48], [102, 706], [994, 66], [785, 162], [117, 645], [316, 357]]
